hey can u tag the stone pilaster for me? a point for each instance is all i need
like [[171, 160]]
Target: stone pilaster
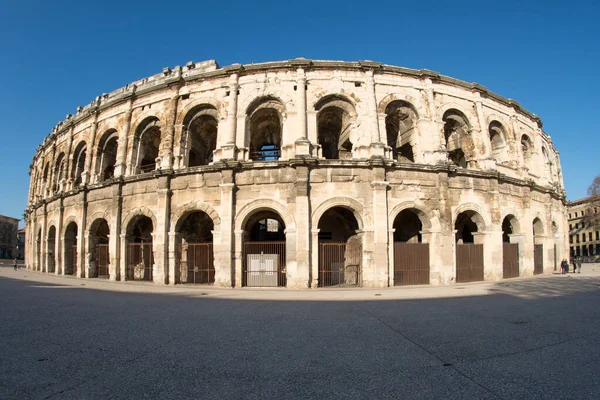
[[88, 175], [121, 164], [303, 147], [377, 147], [228, 149], [381, 261], [226, 274]]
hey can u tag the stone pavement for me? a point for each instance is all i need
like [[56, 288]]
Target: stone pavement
[[524, 338]]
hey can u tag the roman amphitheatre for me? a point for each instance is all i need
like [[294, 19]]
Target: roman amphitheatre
[[299, 174]]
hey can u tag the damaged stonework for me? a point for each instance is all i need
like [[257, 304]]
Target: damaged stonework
[[299, 173]]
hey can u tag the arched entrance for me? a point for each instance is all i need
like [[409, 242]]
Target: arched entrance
[[469, 255], [70, 266], [140, 257], [510, 251], [194, 251], [411, 256], [98, 248], [51, 248], [538, 247], [340, 249], [264, 255]]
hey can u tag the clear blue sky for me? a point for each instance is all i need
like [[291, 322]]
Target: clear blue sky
[[56, 55]]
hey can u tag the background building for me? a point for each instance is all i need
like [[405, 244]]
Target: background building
[[21, 244], [297, 173], [584, 228], [8, 236]]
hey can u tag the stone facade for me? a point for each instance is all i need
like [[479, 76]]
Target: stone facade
[[329, 163], [584, 234], [8, 236]]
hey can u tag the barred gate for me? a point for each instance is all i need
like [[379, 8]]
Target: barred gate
[[411, 263], [102, 260], [538, 259], [510, 260], [196, 263], [264, 264], [339, 264], [140, 260], [469, 262]]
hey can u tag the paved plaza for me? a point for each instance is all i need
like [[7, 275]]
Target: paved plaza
[[527, 338]]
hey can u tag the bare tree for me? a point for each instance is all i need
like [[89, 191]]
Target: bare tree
[[592, 212]]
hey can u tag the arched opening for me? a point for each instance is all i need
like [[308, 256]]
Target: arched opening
[[264, 252], [78, 163], [140, 257], [265, 127], [59, 171], [335, 119], [411, 256], [456, 128], [194, 253], [340, 249], [400, 124], [70, 244], [497, 141], [469, 255], [50, 250], [200, 133], [38, 250], [98, 248], [526, 150], [510, 251], [107, 155], [538, 247], [147, 140]]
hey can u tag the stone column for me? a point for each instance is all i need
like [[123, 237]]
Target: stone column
[[228, 149], [225, 273], [311, 117], [238, 254], [432, 139], [377, 148], [519, 239], [172, 259], [123, 258], [314, 244], [381, 261], [59, 268], [437, 274], [67, 181], [121, 164], [299, 274], [90, 267], [302, 143], [168, 138], [160, 243], [488, 265], [88, 175]]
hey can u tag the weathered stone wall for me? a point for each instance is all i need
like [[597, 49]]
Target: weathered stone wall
[[459, 150]]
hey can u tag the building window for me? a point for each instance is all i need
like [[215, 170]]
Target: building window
[[597, 235], [583, 237], [570, 238], [570, 227], [577, 238]]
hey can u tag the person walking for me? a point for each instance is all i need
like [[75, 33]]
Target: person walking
[[15, 264], [579, 264], [564, 265]]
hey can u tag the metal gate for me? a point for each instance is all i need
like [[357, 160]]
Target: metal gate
[[538, 259], [140, 260], [510, 260], [469, 262], [339, 264], [196, 263], [102, 260], [411, 263], [264, 264]]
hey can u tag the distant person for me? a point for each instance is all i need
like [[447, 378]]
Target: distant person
[[579, 264], [564, 266], [15, 264]]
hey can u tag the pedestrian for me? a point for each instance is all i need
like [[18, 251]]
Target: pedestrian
[[564, 265], [579, 264], [15, 264]]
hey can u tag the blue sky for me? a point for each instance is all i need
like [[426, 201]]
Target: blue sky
[[61, 54]]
